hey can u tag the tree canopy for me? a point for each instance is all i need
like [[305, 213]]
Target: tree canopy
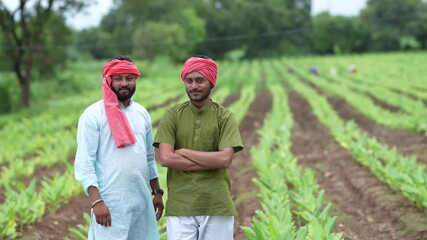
[[31, 30], [35, 39]]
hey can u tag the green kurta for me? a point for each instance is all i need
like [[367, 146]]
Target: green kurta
[[212, 128]]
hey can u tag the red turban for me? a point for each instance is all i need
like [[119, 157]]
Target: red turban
[[119, 124], [206, 67]]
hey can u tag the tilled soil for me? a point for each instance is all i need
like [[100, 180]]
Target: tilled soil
[[406, 143], [366, 208], [242, 171]]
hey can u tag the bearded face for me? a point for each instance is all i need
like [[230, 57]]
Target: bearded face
[[123, 86], [198, 88]]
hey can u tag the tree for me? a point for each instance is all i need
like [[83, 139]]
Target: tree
[[158, 38], [53, 50], [422, 33], [97, 42], [394, 21], [259, 27], [338, 34], [147, 28], [213, 28], [25, 33]]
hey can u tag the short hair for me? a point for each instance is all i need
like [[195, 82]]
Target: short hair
[[202, 56], [122, 57]]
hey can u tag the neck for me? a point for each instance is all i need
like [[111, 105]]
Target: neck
[[202, 103], [126, 103]]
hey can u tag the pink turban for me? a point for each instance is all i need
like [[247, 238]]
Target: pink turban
[[207, 67], [119, 124]]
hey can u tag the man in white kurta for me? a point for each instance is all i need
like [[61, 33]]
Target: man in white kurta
[[121, 175]]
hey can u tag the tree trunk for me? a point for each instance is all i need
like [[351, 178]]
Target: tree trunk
[[25, 93]]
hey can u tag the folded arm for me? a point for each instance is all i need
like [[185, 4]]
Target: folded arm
[[168, 158], [191, 160], [210, 160]]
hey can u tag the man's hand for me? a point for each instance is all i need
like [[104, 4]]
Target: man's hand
[[102, 214], [158, 205]]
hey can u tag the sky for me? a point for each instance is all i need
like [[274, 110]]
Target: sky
[[92, 15]]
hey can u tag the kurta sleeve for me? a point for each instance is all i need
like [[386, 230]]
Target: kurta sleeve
[[166, 130], [230, 134], [87, 146], [152, 168]]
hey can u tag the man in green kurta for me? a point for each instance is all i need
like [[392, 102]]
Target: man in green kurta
[[197, 141]]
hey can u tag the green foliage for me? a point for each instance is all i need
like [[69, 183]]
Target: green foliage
[[36, 38], [5, 103], [208, 27], [194, 26], [235, 54], [338, 34], [399, 172], [4, 47], [232, 29], [158, 38], [56, 39], [260, 27], [97, 42], [57, 190], [408, 43], [25, 197], [388, 20], [7, 222], [81, 231]]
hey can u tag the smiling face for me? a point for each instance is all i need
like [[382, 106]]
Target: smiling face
[[198, 88], [123, 85]]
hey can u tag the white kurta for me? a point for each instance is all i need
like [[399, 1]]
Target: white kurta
[[122, 175]]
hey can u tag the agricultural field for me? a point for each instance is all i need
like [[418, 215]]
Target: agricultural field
[[335, 148]]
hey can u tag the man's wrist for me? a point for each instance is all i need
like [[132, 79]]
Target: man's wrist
[[96, 202], [157, 191]]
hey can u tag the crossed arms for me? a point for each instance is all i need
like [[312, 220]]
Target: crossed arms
[[191, 160]]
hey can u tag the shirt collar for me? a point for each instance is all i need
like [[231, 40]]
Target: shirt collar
[[194, 109]]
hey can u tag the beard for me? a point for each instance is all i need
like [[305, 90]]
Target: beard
[[200, 98], [124, 97]]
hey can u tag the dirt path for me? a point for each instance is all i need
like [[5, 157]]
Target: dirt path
[[366, 208]]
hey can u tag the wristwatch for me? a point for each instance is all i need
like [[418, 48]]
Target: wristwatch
[[157, 191]]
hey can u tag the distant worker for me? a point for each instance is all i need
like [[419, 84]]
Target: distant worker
[[333, 71], [314, 70], [291, 70], [352, 69]]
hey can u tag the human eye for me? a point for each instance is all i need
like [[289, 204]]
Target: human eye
[[130, 78]]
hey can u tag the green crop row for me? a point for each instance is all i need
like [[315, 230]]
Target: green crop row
[[277, 169], [399, 172]]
